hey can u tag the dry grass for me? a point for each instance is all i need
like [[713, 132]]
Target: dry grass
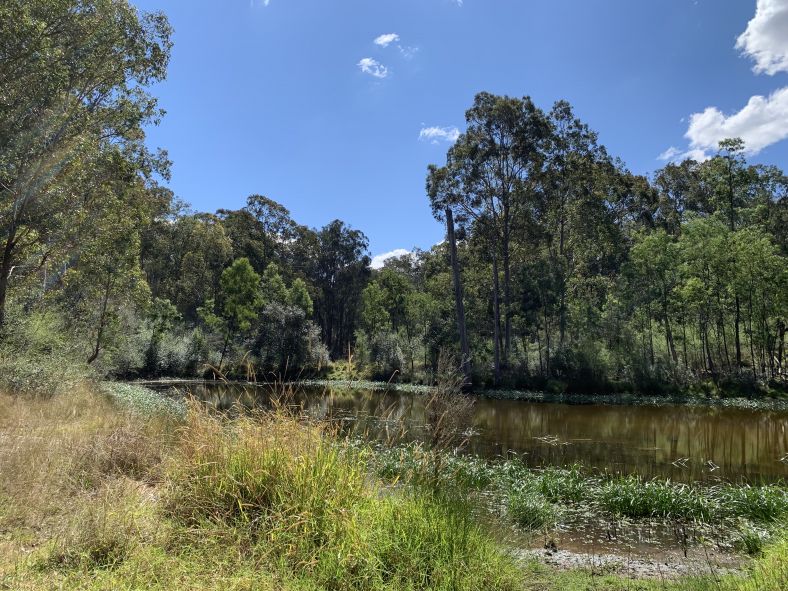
[[75, 477]]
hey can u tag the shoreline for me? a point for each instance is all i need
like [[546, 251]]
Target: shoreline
[[772, 404]]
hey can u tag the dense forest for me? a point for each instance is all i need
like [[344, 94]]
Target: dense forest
[[561, 269]]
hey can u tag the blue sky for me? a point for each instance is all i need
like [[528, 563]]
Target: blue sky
[[295, 100]]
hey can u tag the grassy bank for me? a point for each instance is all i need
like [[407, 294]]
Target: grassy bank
[[112, 487], [99, 495]]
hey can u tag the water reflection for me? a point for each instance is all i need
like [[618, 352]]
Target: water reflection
[[680, 442]]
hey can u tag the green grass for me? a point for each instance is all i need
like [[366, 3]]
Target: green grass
[[531, 510], [623, 496], [637, 498]]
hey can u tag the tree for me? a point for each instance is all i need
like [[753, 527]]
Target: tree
[[74, 75], [162, 315], [299, 297], [337, 264], [239, 303], [441, 189]]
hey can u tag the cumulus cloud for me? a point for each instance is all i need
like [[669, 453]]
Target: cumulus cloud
[[437, 134], [379, 260], [386, 39], [763, 121], [765, 40], [373, 68]]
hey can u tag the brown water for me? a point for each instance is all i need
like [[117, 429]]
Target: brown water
[[682, 442]]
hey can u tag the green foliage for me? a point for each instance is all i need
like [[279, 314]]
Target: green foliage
[[299, 297], [240, 295], [36, 357], [637, 498]]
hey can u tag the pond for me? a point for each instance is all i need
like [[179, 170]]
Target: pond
[[678, 441]]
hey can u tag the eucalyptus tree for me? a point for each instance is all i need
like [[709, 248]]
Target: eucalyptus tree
[[443, 191], [335, 261], [575, 166], [183, 257], [73, 75], [491, 176]]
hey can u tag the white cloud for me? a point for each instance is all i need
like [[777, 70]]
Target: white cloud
[[765, 40], [669, 154], [763, 121], [373, 67], [436, 134], [387, 39], [380, 259]]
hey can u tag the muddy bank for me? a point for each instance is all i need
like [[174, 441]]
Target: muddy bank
[[663, 565]]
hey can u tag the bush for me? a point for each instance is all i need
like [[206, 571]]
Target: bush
[[35, 357]]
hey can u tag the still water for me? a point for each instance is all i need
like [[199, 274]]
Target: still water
[[684, 443]]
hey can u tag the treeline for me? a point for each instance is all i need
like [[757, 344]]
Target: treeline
[[572, 269], [561, 269]]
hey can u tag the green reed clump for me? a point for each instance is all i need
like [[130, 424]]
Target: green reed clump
[[635, 497], [530, 510], [144, 401], [768, 503], [562, 484]]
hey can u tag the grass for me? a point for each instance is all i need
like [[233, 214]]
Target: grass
[[108, 488], [635, 497], [97, 494], [741, 518]]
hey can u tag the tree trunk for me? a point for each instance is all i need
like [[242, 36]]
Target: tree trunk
[[507, 332], [458, 296], [668, 332], [684, 342], [496, 320], [102, 320], [736, 321], [224, 351], [6, 265]]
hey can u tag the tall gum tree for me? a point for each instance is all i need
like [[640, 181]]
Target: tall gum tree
[[73, 75]]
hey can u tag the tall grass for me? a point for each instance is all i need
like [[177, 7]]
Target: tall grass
[[306, 502], [97, 496]]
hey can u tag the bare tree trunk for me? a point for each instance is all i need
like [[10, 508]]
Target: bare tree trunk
[[684, 342], [547, 342], [752, 349], [496, 320], [6, 265], [507, 302], [224, 351], [102, 320], [780, 347], [737, 321], [668, 332], [458, 296]]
